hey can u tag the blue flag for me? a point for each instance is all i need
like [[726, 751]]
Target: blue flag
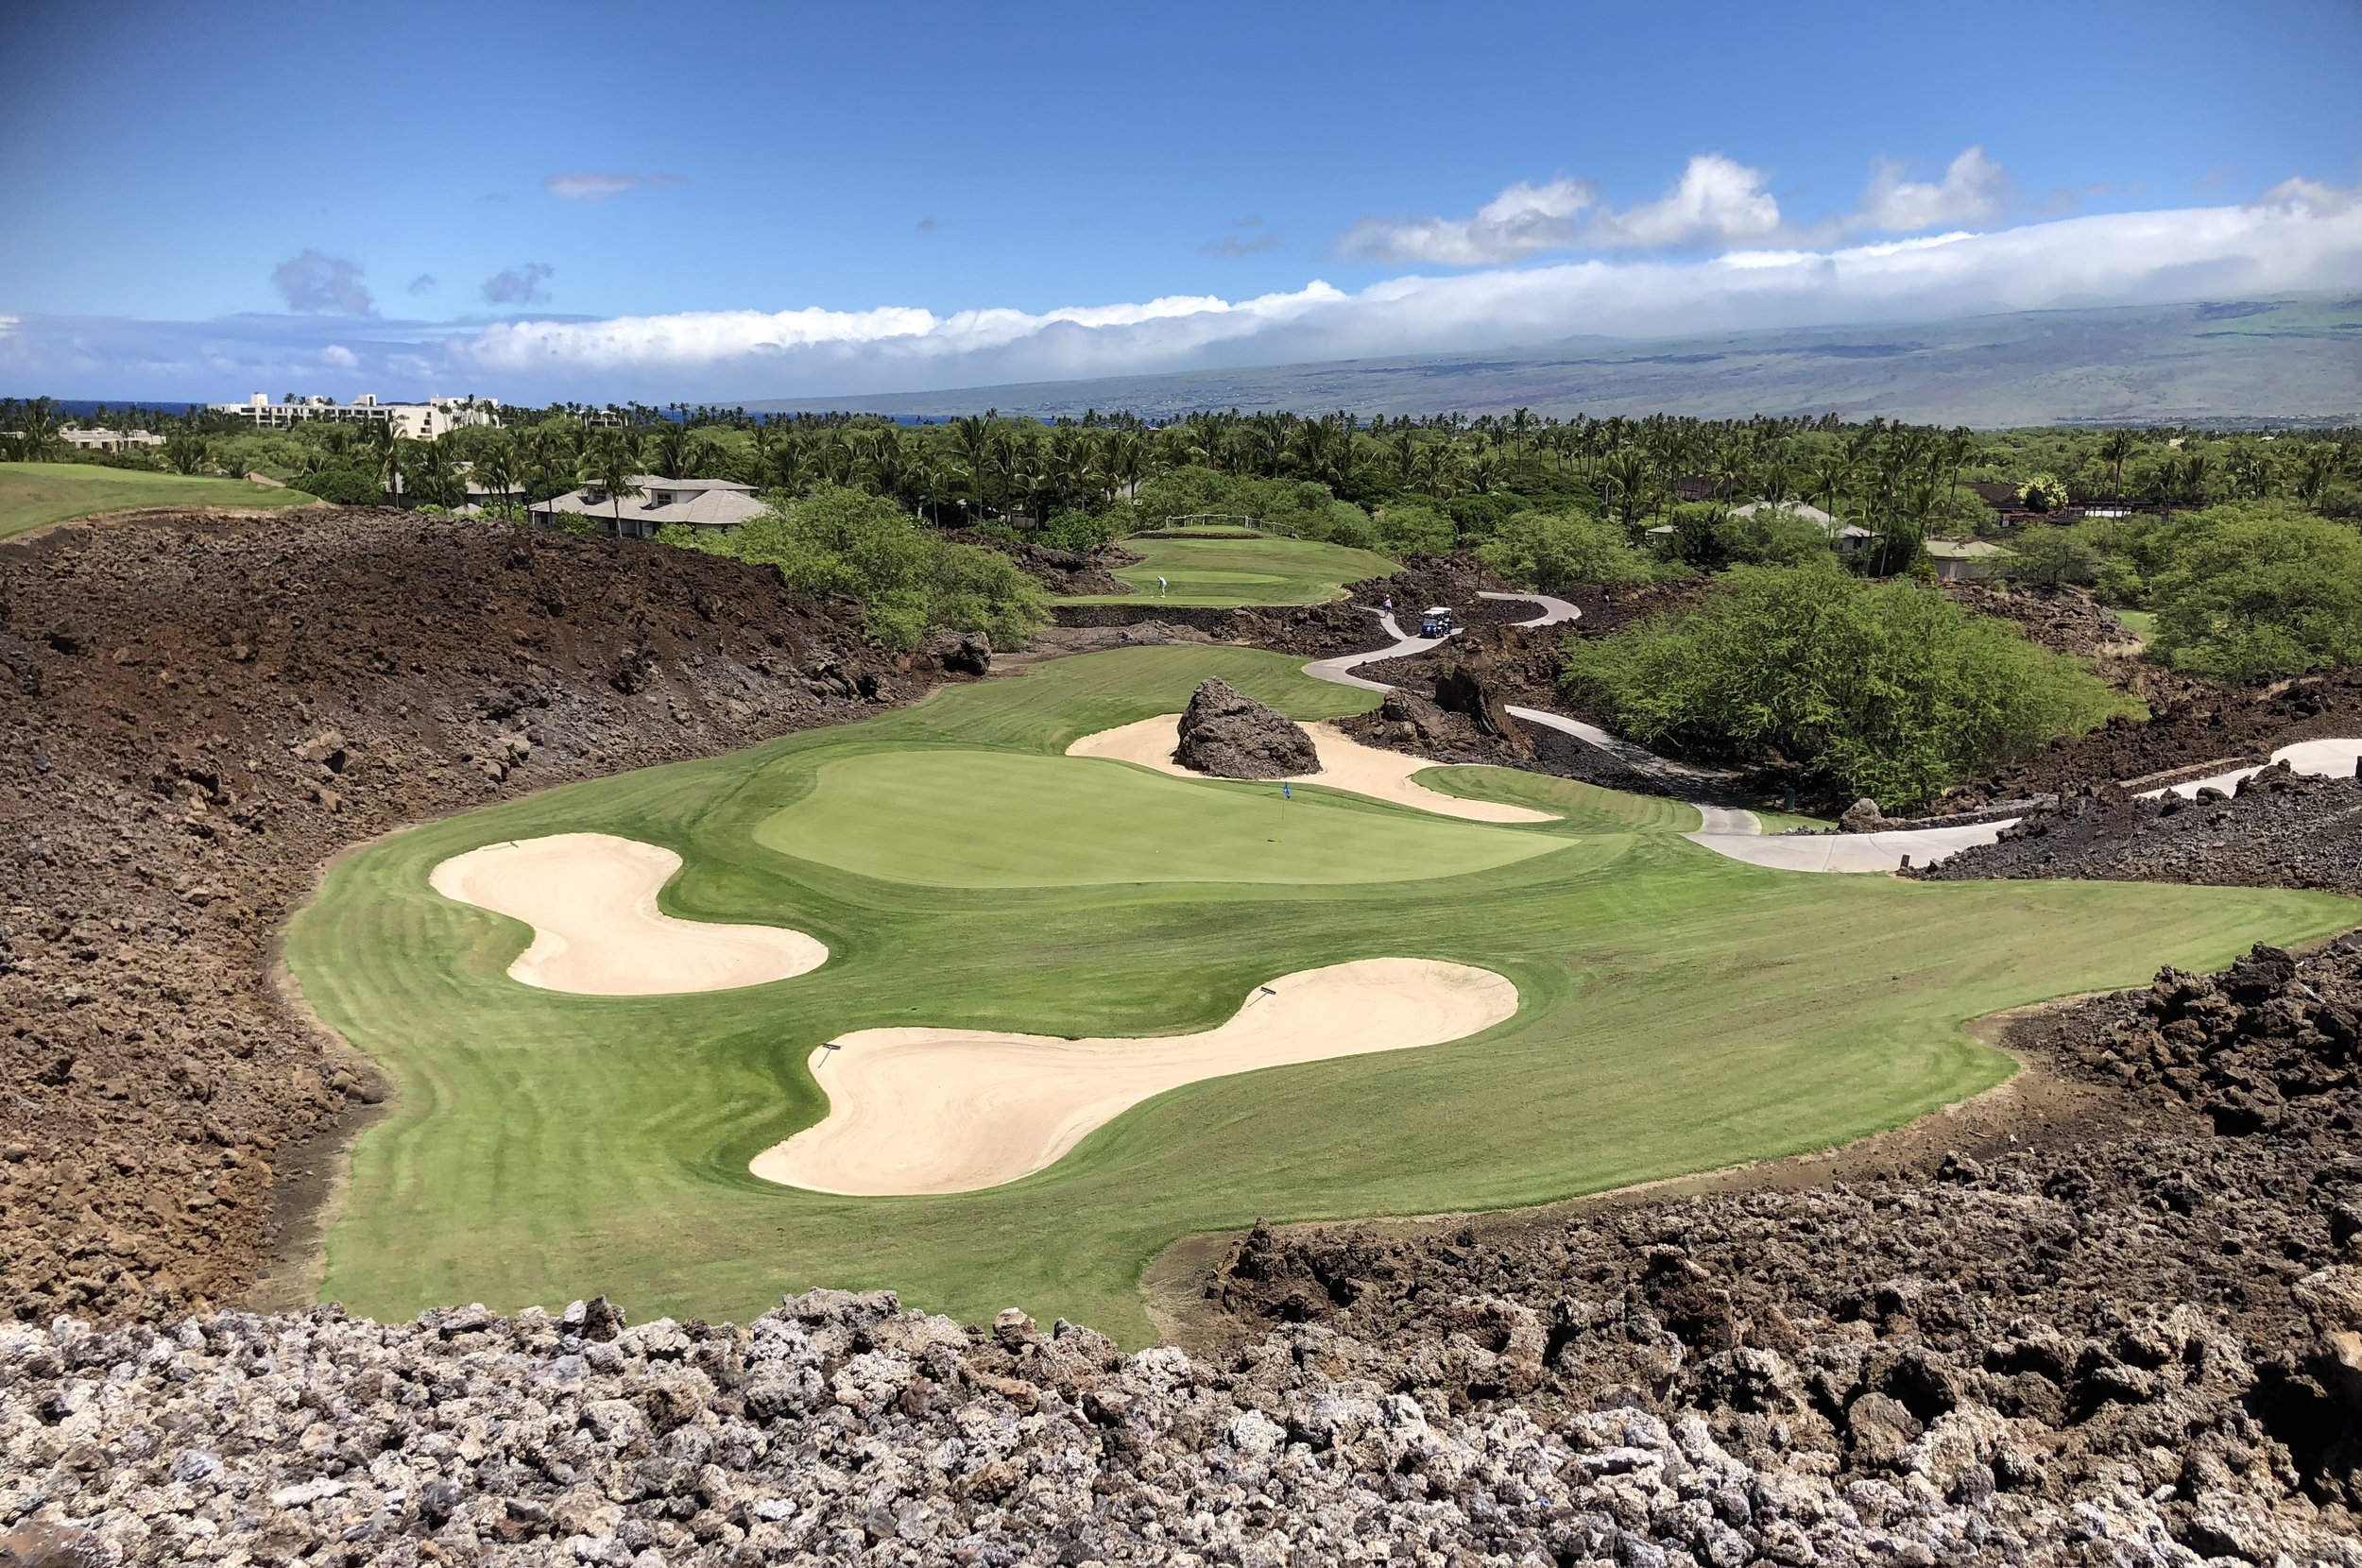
[[1284, 794]]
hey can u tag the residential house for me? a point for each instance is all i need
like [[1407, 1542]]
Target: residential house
[[718, 505], [1848, 537], [1958, 560]]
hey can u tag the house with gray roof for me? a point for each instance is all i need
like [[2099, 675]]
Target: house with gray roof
[[721, 505]]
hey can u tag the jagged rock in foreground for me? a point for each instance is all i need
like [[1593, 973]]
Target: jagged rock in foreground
[[2280, 829], [841, 1429], [2152, 1307], [1228, 734]]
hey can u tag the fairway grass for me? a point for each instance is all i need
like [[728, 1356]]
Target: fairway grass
[[1679, 1012], [1225, 573], [35, 494]]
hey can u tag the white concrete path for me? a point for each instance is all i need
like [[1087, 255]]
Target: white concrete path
[[1849, 852], [1554, 611], [1727, 830], [1338, 670], [2328, 759]]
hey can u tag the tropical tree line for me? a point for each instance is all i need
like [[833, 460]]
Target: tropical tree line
[[1900, 480]]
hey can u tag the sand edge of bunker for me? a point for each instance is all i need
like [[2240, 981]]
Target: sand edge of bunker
[[924, 1111], [591, 901], [1345, 764]]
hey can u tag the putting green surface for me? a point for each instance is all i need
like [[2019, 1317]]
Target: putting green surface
[[32, 494], [1680, 1011], [997, 819], [1217, 572]]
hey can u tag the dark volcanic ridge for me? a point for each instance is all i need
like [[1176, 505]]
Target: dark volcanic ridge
[[198, 713], [2279, 829]]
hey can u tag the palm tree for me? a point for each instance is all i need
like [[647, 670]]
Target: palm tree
[[2114, 450], [496, 468], [391, 460], [2315, 470], [1957, 447], [1627, 470], [669, 453], [608, 466], [973, 437]]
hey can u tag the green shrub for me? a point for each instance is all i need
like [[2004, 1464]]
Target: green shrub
[[1769, 536], [2250, 592], [1074, 530], [1549, 550], [344, 487], [2049, 556], [1411, 528], [1884, 690], [909, 580]]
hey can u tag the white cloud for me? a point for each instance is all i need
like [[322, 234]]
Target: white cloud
[[598, 185], [1716, 201], [2299, 238], [2112, 258], [340, 356], [1521, 221], [2303, 197], [1975, 189]]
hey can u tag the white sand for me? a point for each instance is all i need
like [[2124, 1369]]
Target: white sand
[[952, 1110], [591, 899], [1345, 764]]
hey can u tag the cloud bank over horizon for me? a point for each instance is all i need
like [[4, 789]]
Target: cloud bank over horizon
[[1714, 253]]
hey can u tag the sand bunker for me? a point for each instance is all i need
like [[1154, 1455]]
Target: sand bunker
[[591, 899], [1345, 764], [952, 1109]]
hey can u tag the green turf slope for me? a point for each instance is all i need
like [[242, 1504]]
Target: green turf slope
[[1266, 571], [32, 494], [978, 819], [1680, 1011]]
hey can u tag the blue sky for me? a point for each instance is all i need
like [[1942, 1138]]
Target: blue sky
[[745, 202]]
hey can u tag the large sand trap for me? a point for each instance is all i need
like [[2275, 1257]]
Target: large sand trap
[[1345, 764], [591, 899], [952, 1110]]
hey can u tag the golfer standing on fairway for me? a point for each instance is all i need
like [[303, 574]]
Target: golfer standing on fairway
[[1161, 585]]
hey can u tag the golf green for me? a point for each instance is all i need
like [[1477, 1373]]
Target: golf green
[[997, 819], [1678, 1011], [1230, 572]]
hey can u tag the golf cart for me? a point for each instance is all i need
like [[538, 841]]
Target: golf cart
[[1436, 621]]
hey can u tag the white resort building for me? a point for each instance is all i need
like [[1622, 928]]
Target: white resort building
[[718, 505], [92, 438], [417, 421]]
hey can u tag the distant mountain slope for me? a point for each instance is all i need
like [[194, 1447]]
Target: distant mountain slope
[[2286, 360]]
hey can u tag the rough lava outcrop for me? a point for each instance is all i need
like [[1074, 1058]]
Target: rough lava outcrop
[[1228, 734]]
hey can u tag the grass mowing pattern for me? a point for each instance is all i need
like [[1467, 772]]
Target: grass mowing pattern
[[974, 819], [1263, 570], [32, 494], [1681, 1012]]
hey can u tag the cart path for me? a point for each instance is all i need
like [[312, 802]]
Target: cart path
[[1731, 831]]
